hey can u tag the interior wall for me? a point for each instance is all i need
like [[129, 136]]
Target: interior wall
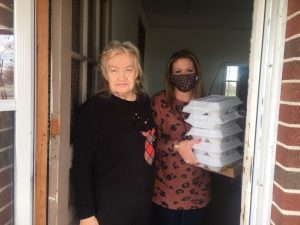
[[125, 16], [212, 46]]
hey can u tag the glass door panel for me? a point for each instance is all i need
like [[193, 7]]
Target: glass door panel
[[6, 50], [7, 118]]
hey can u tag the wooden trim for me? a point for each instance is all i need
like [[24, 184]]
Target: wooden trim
[[41, 144]]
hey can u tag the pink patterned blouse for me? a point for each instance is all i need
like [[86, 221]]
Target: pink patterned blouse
[[177, 185]]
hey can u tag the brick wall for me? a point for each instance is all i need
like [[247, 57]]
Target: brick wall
[[286, 188], [6, 167]]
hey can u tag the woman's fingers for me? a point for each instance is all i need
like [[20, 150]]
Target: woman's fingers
[[186, 151], [191, 159], [195, 141]]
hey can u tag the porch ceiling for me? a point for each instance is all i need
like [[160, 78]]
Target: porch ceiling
[[199, 14]]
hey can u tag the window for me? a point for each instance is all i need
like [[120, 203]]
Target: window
[[231, 80], [7, 117], [236, 82], [6, 65]]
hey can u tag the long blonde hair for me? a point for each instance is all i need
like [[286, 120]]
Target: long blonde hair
[[114, 48]]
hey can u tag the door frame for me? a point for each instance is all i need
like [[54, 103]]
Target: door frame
[[60, 205], [59, 107], [24, 111], [265, 74], [266, 59], [42, 111]]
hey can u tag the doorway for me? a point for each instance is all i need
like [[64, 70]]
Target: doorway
[[167, 26], [219, 33], [164, 22]]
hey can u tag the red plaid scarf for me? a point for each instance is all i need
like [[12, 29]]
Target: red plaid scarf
[[149, 150]]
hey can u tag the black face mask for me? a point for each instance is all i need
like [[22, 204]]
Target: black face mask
[[184, 82]]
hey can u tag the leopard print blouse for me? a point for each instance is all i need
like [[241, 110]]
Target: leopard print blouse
[[177, 185]]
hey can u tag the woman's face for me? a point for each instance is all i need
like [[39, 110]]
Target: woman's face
[[183, 66], [121, 72], [183, 75]]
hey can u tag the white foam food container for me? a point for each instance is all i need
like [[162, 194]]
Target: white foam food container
[[213, 105], [216, 154], [217, 150], [209, 125], [209, 122], [217, 164], [215, 136]]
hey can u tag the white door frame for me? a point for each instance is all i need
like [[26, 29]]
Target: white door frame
[[265, 73], [24, 111], [23, 106]]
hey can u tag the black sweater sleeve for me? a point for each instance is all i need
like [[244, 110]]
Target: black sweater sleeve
[[85, 146]]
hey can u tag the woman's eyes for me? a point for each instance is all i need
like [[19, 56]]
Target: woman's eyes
[[129, 70], [112, 70], [184, 72]]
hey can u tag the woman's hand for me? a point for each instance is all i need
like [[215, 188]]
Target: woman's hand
[[186, 151], [89, 221]]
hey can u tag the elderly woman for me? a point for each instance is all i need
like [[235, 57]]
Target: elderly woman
[[113, 150]]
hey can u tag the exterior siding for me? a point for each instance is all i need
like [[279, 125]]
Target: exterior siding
[[286, 188]]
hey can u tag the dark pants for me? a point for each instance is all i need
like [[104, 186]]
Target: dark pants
[[164, 216], [124, 208]]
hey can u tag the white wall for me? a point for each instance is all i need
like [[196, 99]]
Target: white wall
[[125, 16], [213, 47]]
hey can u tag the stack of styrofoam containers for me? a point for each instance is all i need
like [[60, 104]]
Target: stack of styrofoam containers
[[214, 120]]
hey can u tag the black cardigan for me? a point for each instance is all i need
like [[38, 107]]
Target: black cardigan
[[109, 151]]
